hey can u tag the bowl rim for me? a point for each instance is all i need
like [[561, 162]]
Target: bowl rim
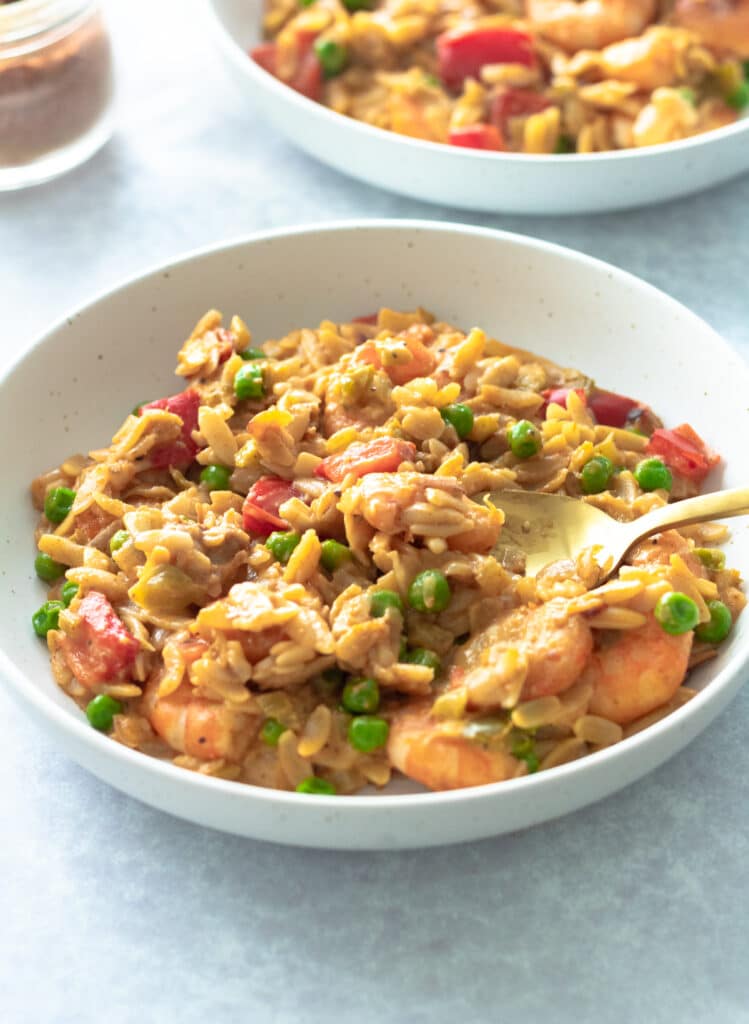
[[61, 715], [442, 150]]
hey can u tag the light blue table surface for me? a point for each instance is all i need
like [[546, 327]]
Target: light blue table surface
[[634, 910]]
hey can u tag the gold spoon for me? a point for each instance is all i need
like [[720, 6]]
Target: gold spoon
[[548, 527]]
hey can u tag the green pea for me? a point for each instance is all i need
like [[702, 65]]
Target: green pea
[[216, 478], [739, 98], [653, 475], [565, 144], [688, 94], [319, 787], [523, 747], [524, 439], [358, 5], [429, 591], [118, 540], [257, 353], [361, 696], [137, 409], [332, 56], [248, 382], [711, 558], [460, 417], [421, 656], [381, 600], [719, 626], [101, 711], [68, 592], [595, 474], [58, 503], [676, 613], [272, 731], [46, 617], [333, 555], [281, 545], [367, 733], [48, 569]]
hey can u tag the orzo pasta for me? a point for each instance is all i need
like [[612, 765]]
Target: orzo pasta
[[289, 573], [528, 76]]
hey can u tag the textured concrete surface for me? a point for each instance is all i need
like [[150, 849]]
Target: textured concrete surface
[[632, 910]]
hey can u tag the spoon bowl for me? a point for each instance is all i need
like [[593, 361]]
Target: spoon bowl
[[550, 527]]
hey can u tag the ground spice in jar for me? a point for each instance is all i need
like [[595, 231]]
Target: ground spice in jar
[[55, 82]]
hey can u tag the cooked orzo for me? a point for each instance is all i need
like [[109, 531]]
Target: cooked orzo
[[289, 575], [528, 76]]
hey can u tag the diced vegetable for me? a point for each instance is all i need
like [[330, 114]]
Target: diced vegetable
[[68, 592], [46, 617], [381, 600], [248, 382], [179, 453], [333, 555], [58, 503], [614, 410], [559, 397], [739, 97], [717, 629], [282, 545], [48, 569], [332, 56], [524, 439], [653, 475], [369, 318], [271, 732], [477, 136], [260, 510], [252, 353], [361, 696], [509, 103], [711, 558], [307, 76], [118, 540], [101, 711], [595, 474], [367, 733], [316, 786], [429, 591], [677, 613], [565, 144], [383, 455], [421, 656], [215, 477], [462, 52], [683, 451], [100, 648]]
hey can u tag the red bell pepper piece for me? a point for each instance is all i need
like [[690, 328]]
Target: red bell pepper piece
[[307, 77], [179, 453], [461, 53], [477, 136], [383, 455], [370, 318], [683, 451], [99, 648], [559, 396], [510, 103], [614, 410], [260, 509]]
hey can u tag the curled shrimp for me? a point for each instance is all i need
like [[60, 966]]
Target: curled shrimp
[[424, 506], [589, 25], [637, 672], [722, 25], [553, 648], [651, 60], [200, 728], [438, 753]]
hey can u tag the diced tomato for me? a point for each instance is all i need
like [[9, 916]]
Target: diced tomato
[[510, 103], [266, 56], [370, 318], [307, 78], [614, 410], [559, 396], [260, 509], [179, 453], [461, 53], [683, 451], [100, 648], [382, 455], [421, 363], [477, 136]]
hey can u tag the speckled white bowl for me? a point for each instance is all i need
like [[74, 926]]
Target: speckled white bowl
[[471, 179], [72, 390]]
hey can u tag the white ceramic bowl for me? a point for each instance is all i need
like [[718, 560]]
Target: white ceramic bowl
[[471, 179], [71, 391]]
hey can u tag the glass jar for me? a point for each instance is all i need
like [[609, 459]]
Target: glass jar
[[55, 88]]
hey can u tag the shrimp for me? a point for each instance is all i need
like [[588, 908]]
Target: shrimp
[[589, 25], [422, 505], [722, 25], [200, 728], [639, 671], [554, 646], [652, 60], [438, 754]]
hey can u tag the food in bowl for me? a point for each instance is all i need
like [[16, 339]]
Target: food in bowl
[[550, 76], [286, 574]]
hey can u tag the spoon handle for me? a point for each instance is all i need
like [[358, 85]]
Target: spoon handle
[[717, 505]]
